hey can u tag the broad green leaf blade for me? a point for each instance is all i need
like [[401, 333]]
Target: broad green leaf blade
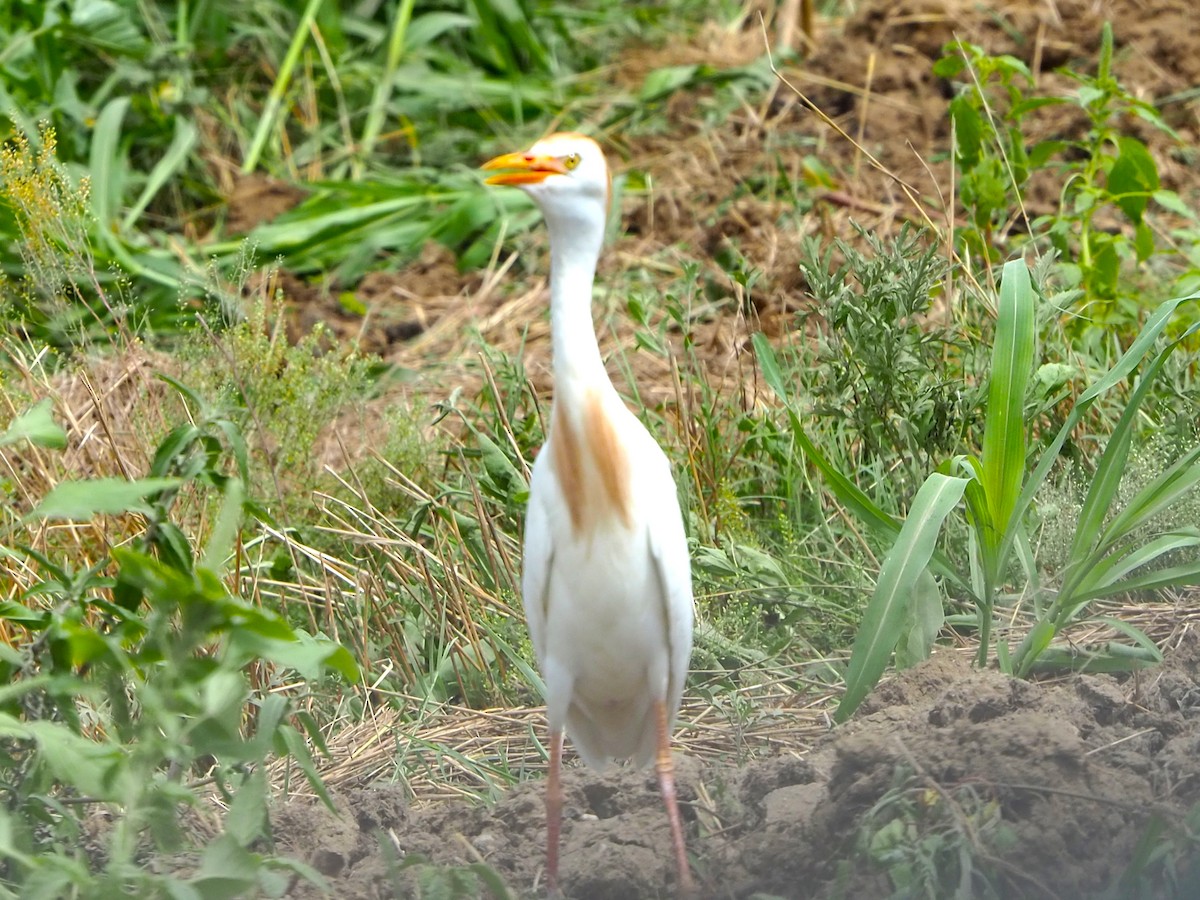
[[90, 766], [1133, 177], [1003, 455], [846, 491], [898, 576], [1112, 658], [171, 449], [293, 742], [225, 530], [924, 622], [107, 164], [979, 512], [1034, 645], [80, 500], [661, 82], [1135, 634], [246, 818], [226, 869], [1151, 331], [292, 233], [37, 426]]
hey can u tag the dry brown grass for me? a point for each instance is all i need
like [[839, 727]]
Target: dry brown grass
[[112, 407]]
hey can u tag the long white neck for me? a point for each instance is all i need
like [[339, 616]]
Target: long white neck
[[575, 242]]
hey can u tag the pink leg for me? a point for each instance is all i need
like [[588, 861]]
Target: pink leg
[[553, 812], [665, 767]]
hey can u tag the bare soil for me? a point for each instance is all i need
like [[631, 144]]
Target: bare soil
[[1067, 774], [1049, 785]]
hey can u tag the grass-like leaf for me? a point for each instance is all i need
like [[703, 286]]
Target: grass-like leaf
[[266, 121], [1155, 325], [898, 577], [175, 158], [1003, 456]]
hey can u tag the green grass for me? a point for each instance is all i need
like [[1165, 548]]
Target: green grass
[[907, 453]]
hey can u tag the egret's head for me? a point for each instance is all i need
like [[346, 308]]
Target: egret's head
[[565, 174]]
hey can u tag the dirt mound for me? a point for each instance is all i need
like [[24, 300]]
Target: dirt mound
[[1019, 788]]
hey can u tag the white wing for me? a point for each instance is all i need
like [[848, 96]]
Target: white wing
[[669, 551]]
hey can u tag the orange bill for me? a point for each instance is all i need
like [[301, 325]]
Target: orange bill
[[525, 168]]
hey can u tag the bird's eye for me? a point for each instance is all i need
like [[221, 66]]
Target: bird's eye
[[571, 160]]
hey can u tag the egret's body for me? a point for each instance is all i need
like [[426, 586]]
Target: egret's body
[[606, 577]]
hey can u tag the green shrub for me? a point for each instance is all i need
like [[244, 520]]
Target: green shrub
[[128, 691]]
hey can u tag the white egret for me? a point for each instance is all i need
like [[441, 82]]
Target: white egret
[[606, 577]]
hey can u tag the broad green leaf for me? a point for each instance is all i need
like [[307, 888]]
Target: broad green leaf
[[292, 233], [293, 743], [1034, 645], [226, 869], [80, 500], [898, 577], [311, 657], [1116, 565], [846, 491], [95, 768], [968, 130], [37, 426], [1171, 201], [1003, 455], [1133, 177], [246, 820], [172, 447], [12, 611], [427, 28], [173, 547], [924, 622], [220, 541], [949, 65], [107, 165], [1133, 633], [1112, 658], [1049, 377], [1143, 241], [104, 24], [1155, 580], [1106, 265], [237, 446]]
